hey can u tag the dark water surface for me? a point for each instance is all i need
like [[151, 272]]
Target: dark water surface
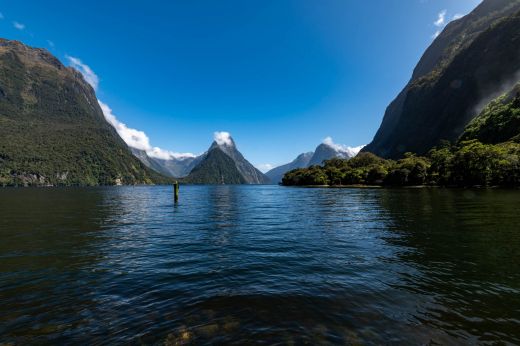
[[259, 264]]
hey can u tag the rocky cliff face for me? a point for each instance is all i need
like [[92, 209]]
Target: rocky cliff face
[[463, 69], [52, 130]]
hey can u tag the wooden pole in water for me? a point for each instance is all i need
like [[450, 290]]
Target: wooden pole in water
[[176, 191]]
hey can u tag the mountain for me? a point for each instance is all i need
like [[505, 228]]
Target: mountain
[[148, 161], [325, 151], [175, 167], [302, 161], [216, 168], [499, 121], [224, 164], [52, 129], [466, 66]]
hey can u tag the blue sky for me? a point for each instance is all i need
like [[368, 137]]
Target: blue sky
[[279, 75]]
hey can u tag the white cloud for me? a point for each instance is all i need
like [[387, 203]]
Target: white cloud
[[457, 16], [168, 155], [50, 43], [85, 70], [265, 167], [132, 137], [138, 139], [223, 138], [351, 151], [441, 19], [18, 25]]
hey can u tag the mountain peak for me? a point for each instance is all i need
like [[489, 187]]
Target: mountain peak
[[223, 138], [212, 168], [328, 149], [342, 150], [223, 141]]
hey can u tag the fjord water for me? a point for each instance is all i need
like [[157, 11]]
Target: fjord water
[[259, 264]]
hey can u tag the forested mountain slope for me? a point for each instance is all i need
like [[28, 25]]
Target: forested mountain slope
[[52, 130]]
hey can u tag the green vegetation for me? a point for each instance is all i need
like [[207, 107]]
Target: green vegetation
[[498, 122], [470, 163], [52, 130], [216, 168]]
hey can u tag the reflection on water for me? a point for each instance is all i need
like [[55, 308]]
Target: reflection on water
[[244, 264], [466, 245]]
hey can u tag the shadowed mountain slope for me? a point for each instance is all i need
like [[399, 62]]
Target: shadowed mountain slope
[[469, 64]]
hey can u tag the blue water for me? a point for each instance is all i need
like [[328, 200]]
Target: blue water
[[259, 264]]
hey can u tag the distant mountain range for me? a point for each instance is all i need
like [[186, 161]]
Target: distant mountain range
[[464, 87], [328, 150], [175, 167], [474, 60], [325, 151], [276, 174], [53, 130], [221, 164]]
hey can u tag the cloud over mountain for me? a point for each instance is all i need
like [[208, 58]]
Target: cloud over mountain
[[85, 70], [223, 138], [351, 151], [132, 137], [264, 167], [442, 21]]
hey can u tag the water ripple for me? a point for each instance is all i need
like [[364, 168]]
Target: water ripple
[[259, 264]]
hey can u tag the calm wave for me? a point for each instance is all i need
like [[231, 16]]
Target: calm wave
[[259, 264]]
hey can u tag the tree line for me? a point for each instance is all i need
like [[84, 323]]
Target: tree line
[[466, 164]]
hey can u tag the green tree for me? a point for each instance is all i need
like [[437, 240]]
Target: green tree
[[376, 174], [474, 163], [440, 170], [334, 175]]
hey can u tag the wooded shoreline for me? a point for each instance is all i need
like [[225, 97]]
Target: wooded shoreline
[[465, 164]]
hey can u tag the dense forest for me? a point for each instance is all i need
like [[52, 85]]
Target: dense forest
[[466, 164]]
